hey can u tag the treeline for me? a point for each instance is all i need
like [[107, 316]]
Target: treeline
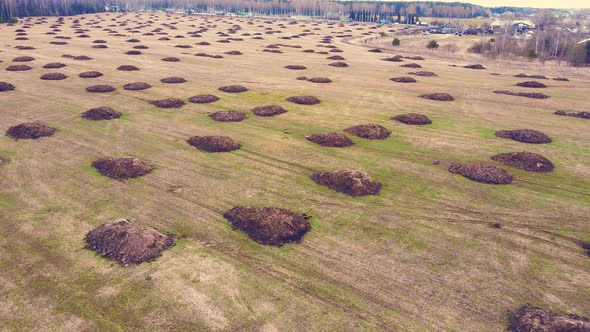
[[358, 11]]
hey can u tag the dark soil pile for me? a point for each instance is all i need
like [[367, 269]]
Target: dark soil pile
[[533, 319], [439, 96], [338, 64], [214, 143], [295, 67], [233, 53], [122, 168], [534, 95], [412, 119], [423, 73], [527, 161], [404, 79], [133, 52], [127, 68], [54, 65], [396, 58], [582, 115], [352, 183], [525, 136], [228, 116], [4, 86], [100, 46], [168, 103], [268, 110], [30, 130], [477, 66], [137, 86], [90, 74], [304, 100], [127, 243], [319, 80], [233, 88], [481, 172], [101, 88], [53, 76], [18, 68], [411, 65], [375, 50], [203, 99], [561, 79], [173, 80], [81, 57], [333, 140], [23, 59], [336, 57], [101, 113], [531, 84], [369, 131], [270, 226], [171, 59]]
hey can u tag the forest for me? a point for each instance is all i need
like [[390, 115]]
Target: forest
[[324, 9]]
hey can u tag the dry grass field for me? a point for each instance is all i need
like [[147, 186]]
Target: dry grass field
[[433, 251]]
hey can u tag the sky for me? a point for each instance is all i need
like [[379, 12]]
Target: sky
[[529, 3]]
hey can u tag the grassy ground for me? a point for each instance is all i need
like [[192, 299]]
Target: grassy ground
[[421, 256]]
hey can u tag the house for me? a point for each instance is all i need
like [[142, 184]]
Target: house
[[517, 25]]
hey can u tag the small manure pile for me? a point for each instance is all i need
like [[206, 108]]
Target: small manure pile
[[349, 182], [528, 161], [122, 168], [333, 140], [482, 172], [369, 131], [214, 143]]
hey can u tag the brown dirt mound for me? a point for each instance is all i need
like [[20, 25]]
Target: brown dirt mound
[[168, 103], [338, 64], [561, 79], [4, 86], [203, 99], [319, 80], [233, 53], [534, 319], [173, 80], [269, 110], [171, 59], [18, 68], [534, 95], [527, 161], [295, 67], [335, 57], [531, 84], [483, 173], [375, 50], [53, 76], [133, 52], [396, 58], [23, 59], [101, 113], [136, 86], [228, 116], [90, 74], [100, 46], [127, 243], [404, 79], [30, 130], [270, 226], [233, 88], [214, 143], [352, 183], [333, 140], [439, 96], [412, 119], [538, 77], [54, 65], [81, 57], [411, 65], [122, 168], [525, 136], [304, 100], [582, 115], [127, 68], [423, 73], [477, 66], [101, 88], [369, 131]]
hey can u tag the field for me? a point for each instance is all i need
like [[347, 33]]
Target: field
[[433, 251]]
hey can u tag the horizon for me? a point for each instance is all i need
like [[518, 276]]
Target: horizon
[[544, 4]]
